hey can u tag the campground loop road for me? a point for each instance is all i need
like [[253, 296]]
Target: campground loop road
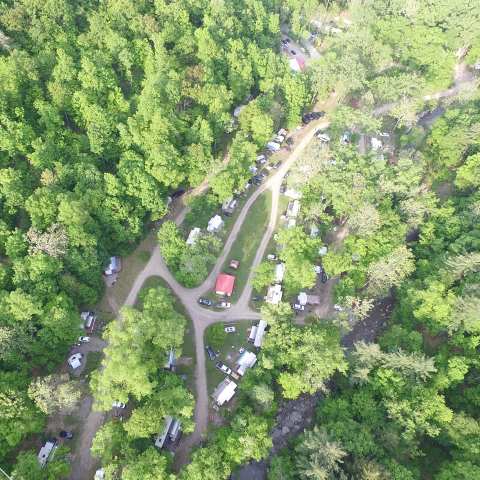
[[83, 463], [202, 317]]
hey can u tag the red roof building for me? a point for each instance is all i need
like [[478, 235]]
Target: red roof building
[[224, 284]]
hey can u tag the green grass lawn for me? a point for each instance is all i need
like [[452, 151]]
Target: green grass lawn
[[245, 246], [187, 360], [271, 248], [228, 353], [132, 265]]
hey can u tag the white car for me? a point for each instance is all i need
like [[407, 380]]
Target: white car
[[224, 304], [118, 404], [83, 339], [230, 329], [221, 366], [261, 159], [75, 360]]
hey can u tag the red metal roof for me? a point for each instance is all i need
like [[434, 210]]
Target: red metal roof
[[224, 284]]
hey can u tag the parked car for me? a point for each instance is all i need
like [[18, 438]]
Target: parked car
[[75, 360], [230, 329], [290, 141], [293, 52], [283, 188], [83, 339], [298, 307], [224, 305], [257, 180], [261, 159], [308, 117], [211, 354], [205, 301], [118, 404], [222, 367], [271, 256], [257, 298], [65, 434], [324, 277], [276, 165]]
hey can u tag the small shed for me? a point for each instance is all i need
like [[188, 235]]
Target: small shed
[[114, 266], [46, 452], [193, 236], [279, 272], [215, 224], [247, 360], [225, 284], [234, 264], [262, 325], [274, 294], [224, 392]]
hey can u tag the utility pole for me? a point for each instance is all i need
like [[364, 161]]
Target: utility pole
[[6, 475]]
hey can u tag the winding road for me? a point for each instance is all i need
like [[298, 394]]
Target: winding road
[[83, 463]]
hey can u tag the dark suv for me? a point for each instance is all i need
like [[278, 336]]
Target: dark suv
[[211, 354]]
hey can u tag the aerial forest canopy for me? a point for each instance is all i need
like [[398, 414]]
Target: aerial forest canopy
[[105, 108]]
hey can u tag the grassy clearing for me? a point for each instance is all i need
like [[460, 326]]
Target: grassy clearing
[[246, 245], [271, 248], [93, 363], [187, 360], [228, 352], [132, 265]]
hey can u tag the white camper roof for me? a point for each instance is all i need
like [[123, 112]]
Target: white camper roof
[[193, 235], [262, 324], [215, 223], [45, 452], [302, 298], [274, 294], [246, 360], [160, 440], [224, 392], [279, 272]]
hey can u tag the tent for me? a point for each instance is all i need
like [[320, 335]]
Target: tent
[[215, 224]]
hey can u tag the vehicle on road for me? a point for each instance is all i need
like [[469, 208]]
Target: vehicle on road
[[308, 117], [230, 329], [83, 339], [222, 367], [224, 305], [205, 301], [75, 360], [118, 404], [211, 353]]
